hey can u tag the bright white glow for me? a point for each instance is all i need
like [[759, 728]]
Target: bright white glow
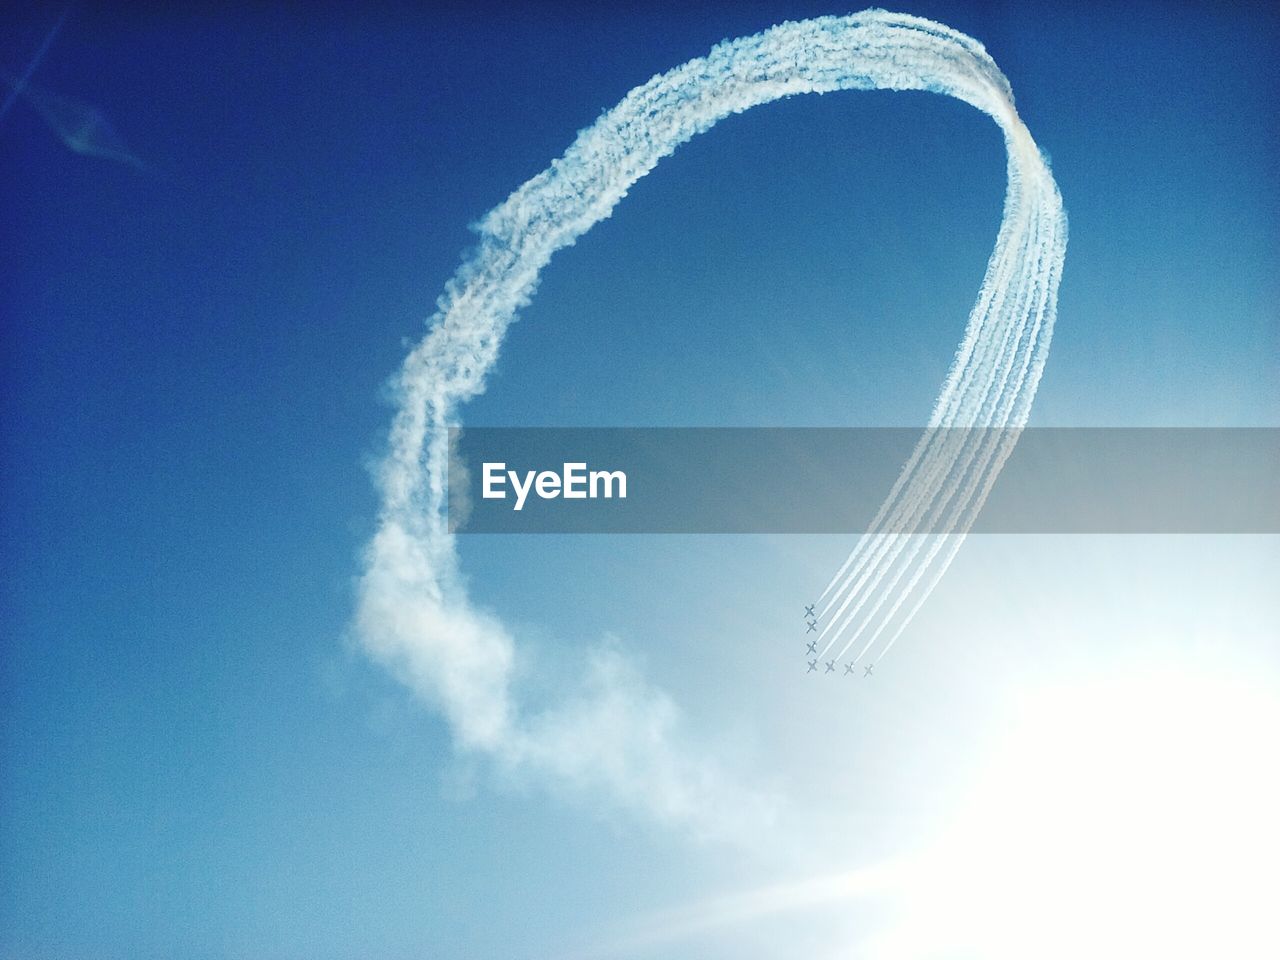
[[1124, 818]]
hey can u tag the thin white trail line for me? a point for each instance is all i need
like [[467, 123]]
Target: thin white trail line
[[932, 506], [20, 83]]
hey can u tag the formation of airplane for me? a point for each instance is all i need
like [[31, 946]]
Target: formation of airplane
[[811, 621], [830, 666]]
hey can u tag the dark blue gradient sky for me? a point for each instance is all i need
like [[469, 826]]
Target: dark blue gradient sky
[[193, 761]]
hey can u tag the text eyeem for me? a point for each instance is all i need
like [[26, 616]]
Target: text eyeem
[[574, 482]]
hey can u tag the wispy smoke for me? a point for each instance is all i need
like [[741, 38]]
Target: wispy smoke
[[615, 735], [81, 127]]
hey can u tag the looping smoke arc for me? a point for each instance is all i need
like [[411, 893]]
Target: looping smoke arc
[[414, 613]]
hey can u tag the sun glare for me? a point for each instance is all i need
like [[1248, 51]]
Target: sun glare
[[1121, 818]]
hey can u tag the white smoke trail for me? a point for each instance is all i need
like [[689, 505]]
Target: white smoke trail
[[19, 84], [1006, 383], [617, 735], [925, 496]]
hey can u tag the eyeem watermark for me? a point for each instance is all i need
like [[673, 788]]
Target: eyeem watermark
[[574, 482], [835, 480]]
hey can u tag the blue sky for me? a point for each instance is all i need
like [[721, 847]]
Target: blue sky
[[196, 758]]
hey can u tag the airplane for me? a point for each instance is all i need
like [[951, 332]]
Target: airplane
[[813, 647], [848, 669], [813, 665], [808, 611], [831, 666], [867, 671], [813, 625]]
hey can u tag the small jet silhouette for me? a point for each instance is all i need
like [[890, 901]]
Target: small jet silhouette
[[808, 611], [848, 669], [867, 670], [813, 665], [813, 647], [813, 625], [831, 666]]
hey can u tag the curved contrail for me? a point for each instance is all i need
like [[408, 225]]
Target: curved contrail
[[414, 612]]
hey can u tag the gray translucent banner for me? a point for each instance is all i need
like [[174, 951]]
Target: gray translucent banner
[[833, 480]]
